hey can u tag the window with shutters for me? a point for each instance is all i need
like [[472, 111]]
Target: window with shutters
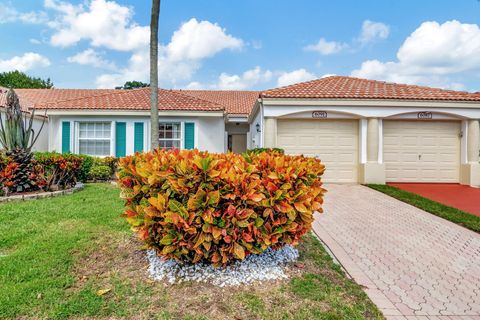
[[170, 135], [95, 138]]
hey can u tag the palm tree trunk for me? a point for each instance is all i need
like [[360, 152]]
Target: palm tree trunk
[[154, 73]]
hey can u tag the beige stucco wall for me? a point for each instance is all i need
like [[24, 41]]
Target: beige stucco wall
[[270, 134], [372, 140], [470, 171]]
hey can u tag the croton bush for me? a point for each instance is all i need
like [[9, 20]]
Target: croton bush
[[195, 206], [50, 171]]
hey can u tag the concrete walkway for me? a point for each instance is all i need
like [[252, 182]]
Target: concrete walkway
[[413, 265]]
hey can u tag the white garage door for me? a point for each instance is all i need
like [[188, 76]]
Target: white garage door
[[335, 142], [422, 151]]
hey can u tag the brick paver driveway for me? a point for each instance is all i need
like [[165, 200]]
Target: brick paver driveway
[[414, 265]]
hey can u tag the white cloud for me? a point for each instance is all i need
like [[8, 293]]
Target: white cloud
[[29, 60], [325, 47], [430, 55], [197, 40], [91, 57], [102, 23], [8, 14], [35, 41], [296, 76], [192, 43], [247, 80], [372, 31]]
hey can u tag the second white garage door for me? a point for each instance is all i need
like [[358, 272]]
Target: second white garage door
[[335, 142], [422, 151]]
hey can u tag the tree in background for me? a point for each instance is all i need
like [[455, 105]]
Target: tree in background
[[154, 73], [133, 85], [19, 80]]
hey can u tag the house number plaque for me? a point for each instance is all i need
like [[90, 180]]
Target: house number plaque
[[319, 114], [424, 115]]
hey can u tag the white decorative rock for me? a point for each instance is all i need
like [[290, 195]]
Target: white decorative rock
[[270, 265]]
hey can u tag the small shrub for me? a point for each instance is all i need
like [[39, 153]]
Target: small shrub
[[112, 162], [261, 150], [87, 164], [100, 172], [195, 206], [57, 171]]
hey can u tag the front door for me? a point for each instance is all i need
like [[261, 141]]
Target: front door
[[237, 143]]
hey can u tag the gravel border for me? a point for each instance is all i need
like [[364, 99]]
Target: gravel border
[[270, 265], [33, 196]]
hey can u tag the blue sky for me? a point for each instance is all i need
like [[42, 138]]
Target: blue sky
[[244, 44]]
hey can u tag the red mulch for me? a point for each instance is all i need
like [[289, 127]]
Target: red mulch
[[461, 197]]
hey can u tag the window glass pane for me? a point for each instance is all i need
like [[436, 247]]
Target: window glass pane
[[94, 138], [170, 135]]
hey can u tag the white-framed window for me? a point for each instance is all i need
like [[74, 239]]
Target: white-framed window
[[170, 135], [95, 138]]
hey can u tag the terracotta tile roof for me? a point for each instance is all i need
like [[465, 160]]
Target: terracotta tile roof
[[340, 87], [135, 99], [32, 97], [238, 103]]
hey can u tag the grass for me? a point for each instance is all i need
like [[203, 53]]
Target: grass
[[454, 215], [56, 254]]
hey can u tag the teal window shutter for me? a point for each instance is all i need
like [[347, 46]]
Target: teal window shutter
[[138, 140], [120, 139], [189, 135], [66, 137]]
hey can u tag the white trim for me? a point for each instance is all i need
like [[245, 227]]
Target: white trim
[[225, 142], [327, 115], [464, 143], [146, 134], [130, 137], [275, 111], [371, 102], [415, 116], [74, 142], [113, 140], [363, 123], [380, 141], [262, 126], [233, 119]]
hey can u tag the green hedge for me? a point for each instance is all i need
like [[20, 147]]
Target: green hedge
[[261, 150]]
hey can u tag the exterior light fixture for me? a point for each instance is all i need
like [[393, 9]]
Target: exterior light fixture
[[258, 127]]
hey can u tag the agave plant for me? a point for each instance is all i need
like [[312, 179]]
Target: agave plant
[[17, 138]]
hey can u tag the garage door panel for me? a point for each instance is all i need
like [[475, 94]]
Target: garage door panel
[[436, 142], [335, 142], [286, 141]]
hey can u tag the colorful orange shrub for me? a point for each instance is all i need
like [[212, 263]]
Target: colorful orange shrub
[[200, 207]]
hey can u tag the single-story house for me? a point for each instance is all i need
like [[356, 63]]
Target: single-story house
[[365, 131], [374, 132]]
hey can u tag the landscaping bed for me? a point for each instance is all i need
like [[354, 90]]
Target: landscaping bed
[[74, 256], [454, 215], [40, 194]]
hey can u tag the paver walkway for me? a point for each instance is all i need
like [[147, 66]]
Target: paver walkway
[[413, 264], [454, 195]]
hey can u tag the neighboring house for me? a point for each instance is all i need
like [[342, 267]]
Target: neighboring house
[[117, 122], [374, 132], [364, 131]]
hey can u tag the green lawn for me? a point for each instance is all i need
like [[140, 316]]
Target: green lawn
[[55, 254], [454, 215]]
